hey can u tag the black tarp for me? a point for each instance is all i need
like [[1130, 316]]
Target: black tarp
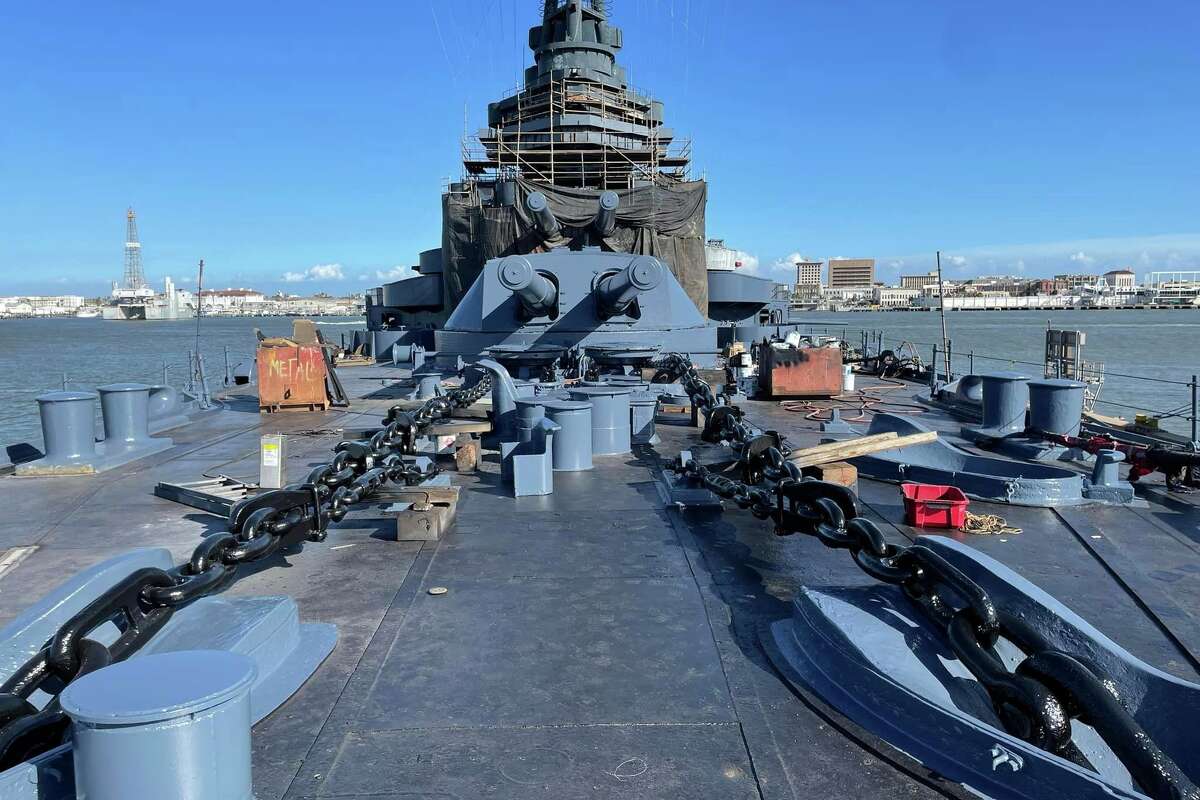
[[662, 221]]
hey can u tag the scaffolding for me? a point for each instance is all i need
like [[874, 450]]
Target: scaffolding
[[577, 133]]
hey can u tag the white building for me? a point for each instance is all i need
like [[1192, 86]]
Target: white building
[[891, 297], [1123, 281]]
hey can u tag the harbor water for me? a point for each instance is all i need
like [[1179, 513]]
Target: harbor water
[[1164, 346], [36, 354]]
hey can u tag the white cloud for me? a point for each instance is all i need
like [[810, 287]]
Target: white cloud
[[394, 274], [781, 270], [1082, 258], [321, 272]]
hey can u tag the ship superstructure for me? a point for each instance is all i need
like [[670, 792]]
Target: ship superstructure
[[573, 131]]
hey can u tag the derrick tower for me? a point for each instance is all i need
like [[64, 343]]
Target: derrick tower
[[576, 122], [134, 278]]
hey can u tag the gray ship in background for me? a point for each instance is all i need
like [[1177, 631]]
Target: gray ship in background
[[575, 159]]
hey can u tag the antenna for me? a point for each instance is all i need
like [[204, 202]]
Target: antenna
[[134, 278]]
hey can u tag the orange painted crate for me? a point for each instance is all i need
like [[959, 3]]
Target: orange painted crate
[[291, 377]]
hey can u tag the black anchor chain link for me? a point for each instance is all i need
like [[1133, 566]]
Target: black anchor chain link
[[258, 527], [1035, 702]]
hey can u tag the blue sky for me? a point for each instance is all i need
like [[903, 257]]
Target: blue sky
[[311, 140]]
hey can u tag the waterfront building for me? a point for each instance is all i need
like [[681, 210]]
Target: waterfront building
[[808, 273], [918, 281], [892, 297], [1124, 281], [231, 300], [1074, 282], [851, 272]]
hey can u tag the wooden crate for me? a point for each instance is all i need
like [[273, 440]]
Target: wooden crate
[[291, 378]]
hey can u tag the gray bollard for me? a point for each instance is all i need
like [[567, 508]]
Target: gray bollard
[[1106, 471], [171, 726], [610, 417], [164, 402], [1005, 396], [573, 441], [68, 427], [643, 407], [126, 410], [429, 387], [1056, 406]]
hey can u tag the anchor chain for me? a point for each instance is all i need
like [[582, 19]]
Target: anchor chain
[[260, 526], [1035, 702]]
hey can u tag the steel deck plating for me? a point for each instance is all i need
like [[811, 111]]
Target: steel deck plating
[[592, 643]]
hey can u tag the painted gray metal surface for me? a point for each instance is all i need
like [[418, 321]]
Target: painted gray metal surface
[[68, 427], [268, 630], [1056, 406], [1005, 398], [617, 292], [529, 465], [734, 296], [537, 293], [643, 408], [601, 298], [610, 417], [125, 408], [980, 477], [870, 653], [172, 726], [605, 221], [166, 409], [572, 444]]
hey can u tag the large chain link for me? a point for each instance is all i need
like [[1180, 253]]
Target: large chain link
[[1035, 702], [259, 527]]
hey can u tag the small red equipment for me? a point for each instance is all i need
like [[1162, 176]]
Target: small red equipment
[[931, 506]]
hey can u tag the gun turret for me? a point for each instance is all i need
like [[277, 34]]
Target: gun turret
[[537, 293], [617, 292], [543, 218], [605, 221]]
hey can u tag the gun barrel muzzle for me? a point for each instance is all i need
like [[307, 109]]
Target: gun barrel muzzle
[[605, 221], [617, 292], [543, 218], [537, 293]]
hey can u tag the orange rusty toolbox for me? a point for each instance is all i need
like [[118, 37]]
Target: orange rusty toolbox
[[291, 377], [801, 372]]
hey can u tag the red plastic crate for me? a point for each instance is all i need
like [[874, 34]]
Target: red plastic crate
[[927, 505]]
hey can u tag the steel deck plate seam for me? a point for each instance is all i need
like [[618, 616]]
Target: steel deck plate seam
[[704, 597], [1147, 516], [411, 585], [1137, 585]]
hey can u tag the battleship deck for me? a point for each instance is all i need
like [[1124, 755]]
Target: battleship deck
[[592, 643]]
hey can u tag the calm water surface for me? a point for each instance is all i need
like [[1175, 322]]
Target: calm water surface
[[1155, 344], [35, 353]]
